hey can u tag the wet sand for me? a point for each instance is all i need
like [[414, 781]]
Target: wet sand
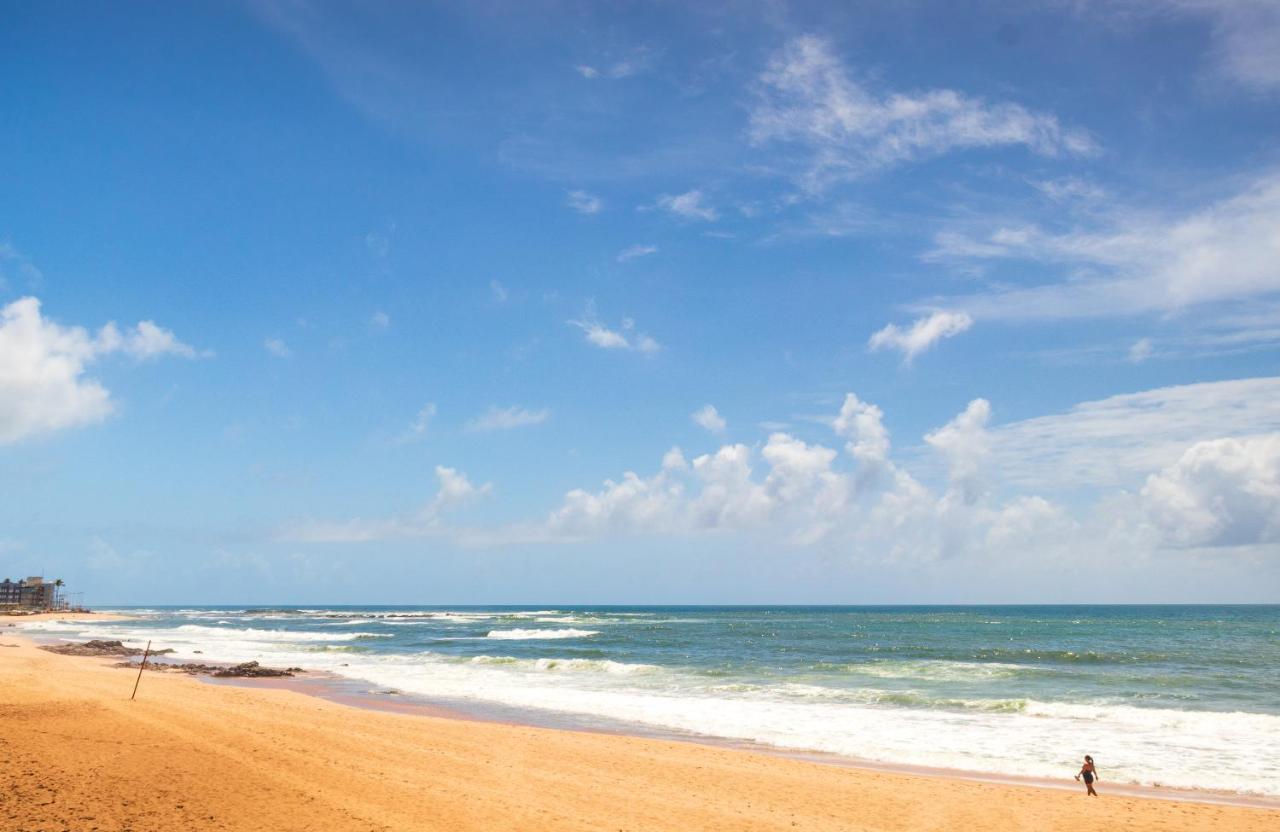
[[186, 755]]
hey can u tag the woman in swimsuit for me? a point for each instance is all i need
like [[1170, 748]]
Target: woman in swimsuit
[[1089, 772]]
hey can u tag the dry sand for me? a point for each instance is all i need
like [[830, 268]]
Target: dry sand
[[78, 755]]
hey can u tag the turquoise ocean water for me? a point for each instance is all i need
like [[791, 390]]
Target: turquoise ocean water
[[1180, 696]]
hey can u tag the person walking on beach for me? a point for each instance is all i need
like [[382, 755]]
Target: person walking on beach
[[1089, 772]]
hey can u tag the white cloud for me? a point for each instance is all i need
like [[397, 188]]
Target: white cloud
[[455, 490], [709, 419], [631, 504], [1141, 350], [421, 423], [862, 423], [498, 291], [1117, 440], [1244, 33], [688, 205], [584, 203], [277, 347], [638, 61], [380, 320], [802, 496], [43, 388], [507, 418], [623, 338], [921, 335], [638, 250], [1135, 262], [1247, 39], [1070, 189], [17, 268], [1223, 492], [808, 99], [964, 443]]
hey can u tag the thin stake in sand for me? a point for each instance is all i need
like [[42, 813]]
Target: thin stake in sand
[[145, 653]]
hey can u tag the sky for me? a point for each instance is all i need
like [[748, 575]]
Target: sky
[[555, 302]]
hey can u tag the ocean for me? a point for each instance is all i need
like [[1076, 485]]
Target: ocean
[[1175, 696]]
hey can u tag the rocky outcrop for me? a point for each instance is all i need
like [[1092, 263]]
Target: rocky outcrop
[[253, 670], [247, 670], [99, 648]]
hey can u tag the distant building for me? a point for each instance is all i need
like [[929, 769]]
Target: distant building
[[32, 594]]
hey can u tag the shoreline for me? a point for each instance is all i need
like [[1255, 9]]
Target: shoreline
[[254, 756], [340, 690], [357, 693]]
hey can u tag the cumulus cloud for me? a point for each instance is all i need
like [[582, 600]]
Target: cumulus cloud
[[965, 444], [1222, 492], [862, 423], [689, 206], [842, 128], [43, 388], [803, 494], [455, 491], [584, 202], [709, 419], [921, 335], [623, 338], [507, 418]]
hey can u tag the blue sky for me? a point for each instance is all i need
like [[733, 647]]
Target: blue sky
[[550, 302]]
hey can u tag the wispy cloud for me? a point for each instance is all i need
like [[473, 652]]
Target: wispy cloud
[[277, 347], [623, 338], [498, 292], [420, 425], [921, 335], [1115, 440], [507, 418], [689, 205], [842, 129], [638, 250], [1141, 350], [638, 61], [584, 202], [1132, 261], [1243, 33]]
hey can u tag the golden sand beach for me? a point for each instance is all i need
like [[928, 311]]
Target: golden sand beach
[[78, 755]]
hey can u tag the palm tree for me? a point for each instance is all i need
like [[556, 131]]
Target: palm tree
[[58, 584]]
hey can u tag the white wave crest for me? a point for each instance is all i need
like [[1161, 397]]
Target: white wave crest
[[572, 665], [521, 635]]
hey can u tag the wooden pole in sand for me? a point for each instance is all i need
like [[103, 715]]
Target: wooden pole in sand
[[145, 653]]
